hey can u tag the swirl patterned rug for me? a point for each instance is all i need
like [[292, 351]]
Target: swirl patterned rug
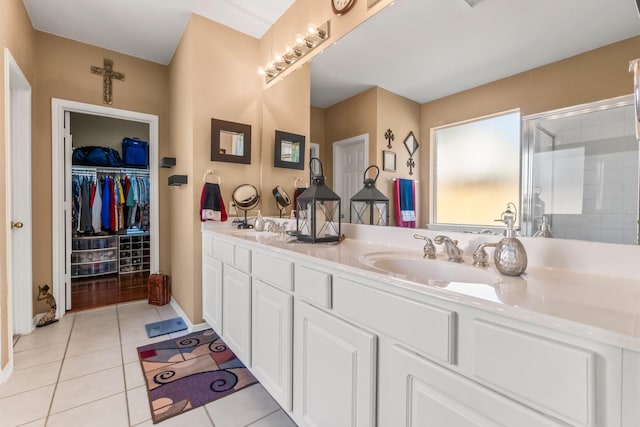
[[190, 371]]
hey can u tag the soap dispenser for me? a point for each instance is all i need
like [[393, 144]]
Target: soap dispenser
[[258, 225], [510, 256]]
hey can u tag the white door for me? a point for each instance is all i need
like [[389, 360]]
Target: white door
[[212, 293], [18, 190], [334, 371], [236, 312], [67, 150], [424, 394], [350, 157], [272, 341]]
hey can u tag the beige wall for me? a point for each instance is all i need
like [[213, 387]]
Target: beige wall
[[304, 12], [370, 112], [591, 76], [63, 71], [105, 131], [355, 116], [282, 111], [402, 116], [213, 75], [17, 35]]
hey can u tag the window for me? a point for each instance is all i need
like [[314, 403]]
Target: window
[[475, 170]]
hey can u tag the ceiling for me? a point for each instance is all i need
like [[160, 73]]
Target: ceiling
[[420, 49], [147, 29], [428, 49]]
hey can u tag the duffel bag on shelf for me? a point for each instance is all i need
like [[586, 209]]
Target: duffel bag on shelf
[[135, 152], [96, 156]]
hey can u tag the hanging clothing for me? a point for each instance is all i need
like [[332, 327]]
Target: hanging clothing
[[96, 209], [106, 198], [85, 212]]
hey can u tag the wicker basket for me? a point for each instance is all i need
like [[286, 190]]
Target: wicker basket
[[159, 289]]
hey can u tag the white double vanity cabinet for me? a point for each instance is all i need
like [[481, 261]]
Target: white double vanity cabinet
[[341, 344]]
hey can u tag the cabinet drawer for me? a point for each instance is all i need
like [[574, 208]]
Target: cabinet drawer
[[430, 330], [555, 377], [222, 250], [313, 285], [274, 270], [207, 244], [242, 258]]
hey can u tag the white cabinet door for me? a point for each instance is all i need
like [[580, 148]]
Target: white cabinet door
[[272, 341], [424, 394], [212, 293], [334, 371], [236, 312]]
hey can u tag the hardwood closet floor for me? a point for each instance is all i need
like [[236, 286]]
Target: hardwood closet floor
[[99, 291]]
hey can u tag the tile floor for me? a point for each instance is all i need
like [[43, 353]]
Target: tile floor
[[84, 371]]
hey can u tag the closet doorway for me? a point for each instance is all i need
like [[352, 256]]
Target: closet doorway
[[101, 267]]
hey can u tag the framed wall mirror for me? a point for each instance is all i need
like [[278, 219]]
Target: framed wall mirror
[[230, 142], [288, 150]]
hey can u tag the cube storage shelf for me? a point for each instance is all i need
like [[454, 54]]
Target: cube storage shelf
[[134, 253], [94, 256]]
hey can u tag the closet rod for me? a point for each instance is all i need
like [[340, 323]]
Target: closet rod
[[108, 170]]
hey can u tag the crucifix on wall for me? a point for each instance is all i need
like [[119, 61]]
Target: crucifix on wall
[[107, 74]]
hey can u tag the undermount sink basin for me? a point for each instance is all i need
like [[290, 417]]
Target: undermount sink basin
[[434, 271], [251, 233]]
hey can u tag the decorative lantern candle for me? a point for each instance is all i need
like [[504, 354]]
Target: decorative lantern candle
[[318, 210], [369, 205]]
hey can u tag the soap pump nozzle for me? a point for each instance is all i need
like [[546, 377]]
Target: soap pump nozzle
[[510, 256]]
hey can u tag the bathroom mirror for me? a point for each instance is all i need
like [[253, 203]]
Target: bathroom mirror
[[512, 41], [411, 144], [288, 150], [230, 142], [282, 199]]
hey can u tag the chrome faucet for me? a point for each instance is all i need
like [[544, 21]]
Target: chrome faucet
[[273, 226], [453, 251], [429, 249]]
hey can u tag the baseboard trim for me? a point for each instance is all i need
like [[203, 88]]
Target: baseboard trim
[[6, 372], [192, 327]]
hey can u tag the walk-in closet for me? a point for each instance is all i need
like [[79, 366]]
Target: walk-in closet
[[110, 212]]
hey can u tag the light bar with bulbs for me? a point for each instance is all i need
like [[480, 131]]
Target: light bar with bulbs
[[303, 44]]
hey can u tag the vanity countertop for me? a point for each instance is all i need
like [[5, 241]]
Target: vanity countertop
[[596, 304]]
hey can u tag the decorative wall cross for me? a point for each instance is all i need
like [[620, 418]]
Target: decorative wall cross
[[107, 74], [388, 135]]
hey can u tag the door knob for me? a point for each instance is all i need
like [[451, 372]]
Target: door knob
[[16, 224]]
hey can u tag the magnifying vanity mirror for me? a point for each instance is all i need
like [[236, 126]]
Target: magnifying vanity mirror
[[245, 197], [282, 199], [230, 142]]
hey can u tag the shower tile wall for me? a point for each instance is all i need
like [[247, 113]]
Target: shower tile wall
[[610, 186]]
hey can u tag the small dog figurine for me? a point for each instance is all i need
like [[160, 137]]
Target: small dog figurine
[[50, 316]]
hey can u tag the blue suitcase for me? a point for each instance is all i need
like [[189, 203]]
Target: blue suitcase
[[135, 152]]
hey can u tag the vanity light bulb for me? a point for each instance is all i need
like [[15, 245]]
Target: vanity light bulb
[[312, 30], [261, 71], [277, 58]]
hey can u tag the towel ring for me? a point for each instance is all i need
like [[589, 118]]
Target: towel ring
[[298, 179], [209, 172]]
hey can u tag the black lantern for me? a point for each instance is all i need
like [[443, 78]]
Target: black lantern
[[317, 210], [369, 205]]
